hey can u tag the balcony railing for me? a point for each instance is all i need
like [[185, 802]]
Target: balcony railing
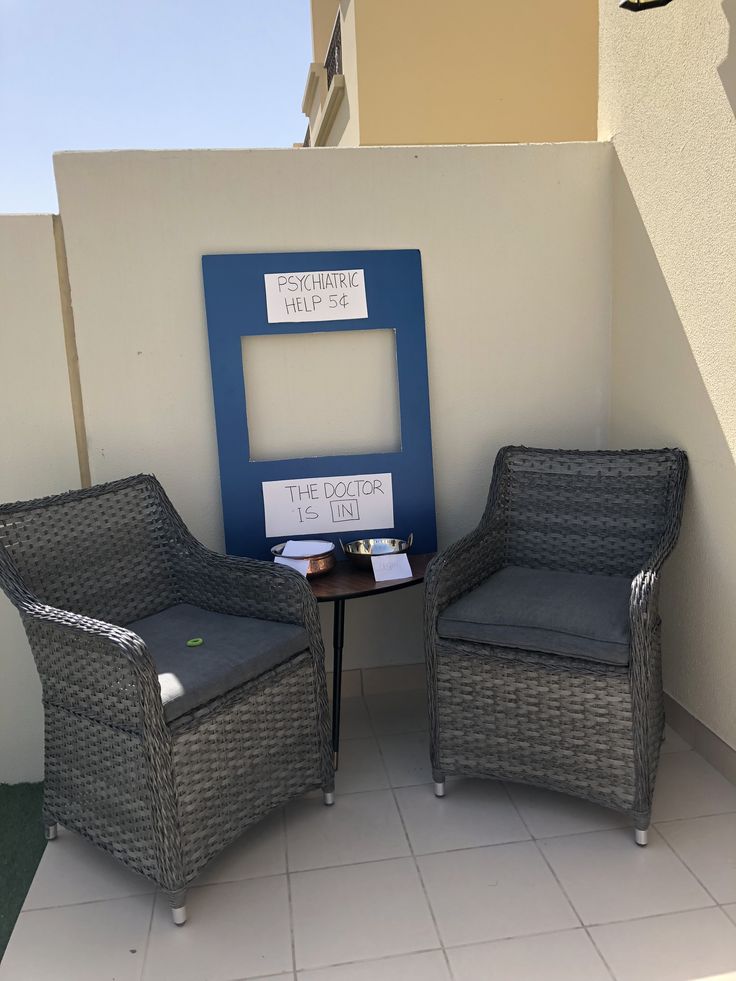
[[333, 61]]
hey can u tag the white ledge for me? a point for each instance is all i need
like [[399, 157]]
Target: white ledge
[[323, 124]]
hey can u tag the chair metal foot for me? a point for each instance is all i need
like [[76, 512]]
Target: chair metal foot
[[179, 915], [641, 836], [329, 797], [50, 831], [439, 788]]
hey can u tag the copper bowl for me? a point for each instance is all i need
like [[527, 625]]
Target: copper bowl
[[318, 564], [361, 551]]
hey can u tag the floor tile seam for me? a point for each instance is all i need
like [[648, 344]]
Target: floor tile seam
[[364, 960], [92, 902], [232, 882], [514, 936], [693, 817], [587, 834], [403, 786], [258, 977], [691, 871], [604, 959], [402, 732], [652, 916], [149, 931], [546, 861], [292, 939], [422, 883], [348, 865], [351, 865], [347, 793]]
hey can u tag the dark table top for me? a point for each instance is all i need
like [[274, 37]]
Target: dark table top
[[347, 582]]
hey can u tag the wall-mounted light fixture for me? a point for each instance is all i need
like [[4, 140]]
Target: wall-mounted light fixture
[[642, 4]]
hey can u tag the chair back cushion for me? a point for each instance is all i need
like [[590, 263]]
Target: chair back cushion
[[588, 511], [104, 552], [234, 650]]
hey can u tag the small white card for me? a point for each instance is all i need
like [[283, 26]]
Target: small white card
[[387, 567], [301, 565], [303, 550]]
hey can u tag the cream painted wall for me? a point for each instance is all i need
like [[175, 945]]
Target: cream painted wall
[[39, 453], [515, 246], [667, 98], [478, 72], [345, 130], [323, 20]]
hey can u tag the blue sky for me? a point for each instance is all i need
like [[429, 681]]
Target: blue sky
[[119, 74]]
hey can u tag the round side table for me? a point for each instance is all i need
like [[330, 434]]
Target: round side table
[[343, 583]]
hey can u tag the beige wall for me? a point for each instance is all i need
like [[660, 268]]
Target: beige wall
[[477, 72], [666, 98], [323, 21], [515, 246], [39, 452], [345, 130]]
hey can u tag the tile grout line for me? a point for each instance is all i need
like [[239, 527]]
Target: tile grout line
[[147, 943], [413, 856], [692, 873], [572, 906], [288, 892]]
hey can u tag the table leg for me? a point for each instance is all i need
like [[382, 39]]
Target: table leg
[[338, 636]]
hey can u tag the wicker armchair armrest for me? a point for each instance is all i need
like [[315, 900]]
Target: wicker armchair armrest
[[462, 566], [94, 669], [242, 586]]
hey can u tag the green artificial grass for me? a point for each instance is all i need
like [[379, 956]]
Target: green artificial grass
[[21, 847]]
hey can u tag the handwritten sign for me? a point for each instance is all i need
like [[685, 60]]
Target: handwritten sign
[[388, 567], [316, 505], [333, 294]]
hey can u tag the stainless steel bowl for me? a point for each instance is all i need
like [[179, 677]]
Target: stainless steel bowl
[[318, 564], [361, 551]]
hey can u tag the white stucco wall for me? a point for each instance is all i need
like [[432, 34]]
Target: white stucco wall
[[667, 100], [515, 244], [39, 453]]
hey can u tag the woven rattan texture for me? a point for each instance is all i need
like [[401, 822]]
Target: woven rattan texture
[[568, 724], [162, 799]]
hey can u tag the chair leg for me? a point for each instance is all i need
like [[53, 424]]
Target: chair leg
[[439, 783], [178, 906], [641, 836], [50, 829]]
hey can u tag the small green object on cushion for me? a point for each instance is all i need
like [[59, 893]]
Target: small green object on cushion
[[195, 642]]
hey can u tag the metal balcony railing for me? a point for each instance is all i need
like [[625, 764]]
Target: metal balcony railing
[[333, 61]]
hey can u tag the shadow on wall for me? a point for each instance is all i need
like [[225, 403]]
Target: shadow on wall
[[659, 398], [727, 68]]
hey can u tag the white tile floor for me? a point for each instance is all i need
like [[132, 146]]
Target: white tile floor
[[391, 884]]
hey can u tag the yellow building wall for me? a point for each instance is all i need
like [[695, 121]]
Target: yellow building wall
[[478, 72], [324, 13], [667, 99]]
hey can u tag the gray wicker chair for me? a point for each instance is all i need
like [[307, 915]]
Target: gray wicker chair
[[542, 630], [160, 753]]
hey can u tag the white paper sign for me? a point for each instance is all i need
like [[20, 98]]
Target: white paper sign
[[301, 565], [315, 505], [332, 294], [387, 567]]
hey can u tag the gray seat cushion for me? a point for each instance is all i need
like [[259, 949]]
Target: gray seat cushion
[[552, 612], [235, 650]]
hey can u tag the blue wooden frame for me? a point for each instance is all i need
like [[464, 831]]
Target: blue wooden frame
[[236, 307]]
